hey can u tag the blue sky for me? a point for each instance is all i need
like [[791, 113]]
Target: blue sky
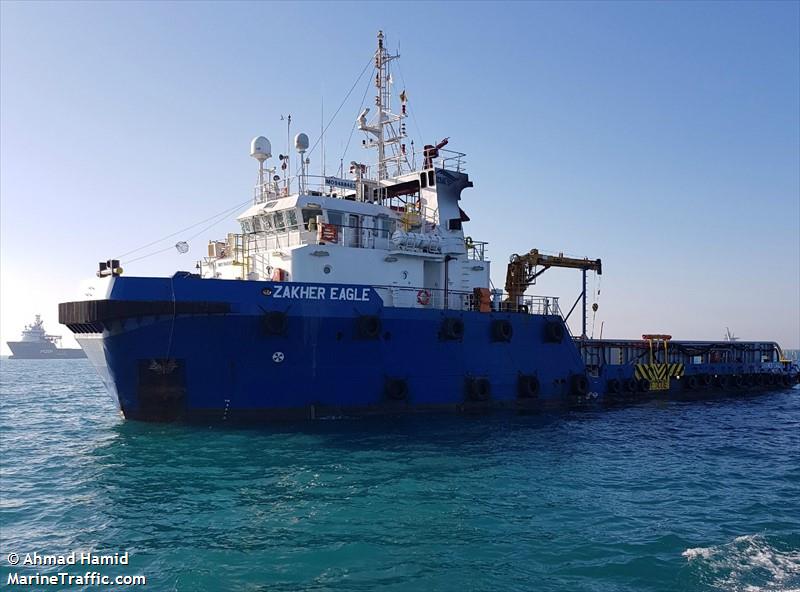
[[662, 137]]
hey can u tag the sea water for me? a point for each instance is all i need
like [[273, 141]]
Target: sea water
[[678, 496]]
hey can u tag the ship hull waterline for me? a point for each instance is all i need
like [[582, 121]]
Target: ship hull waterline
[[216, 353]]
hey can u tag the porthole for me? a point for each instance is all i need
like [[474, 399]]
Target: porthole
[[326, 269]]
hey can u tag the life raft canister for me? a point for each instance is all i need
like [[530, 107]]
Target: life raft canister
[[424, 297]]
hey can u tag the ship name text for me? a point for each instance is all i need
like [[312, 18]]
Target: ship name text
[[322, 293]]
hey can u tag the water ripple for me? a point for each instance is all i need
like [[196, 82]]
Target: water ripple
[[684, 496]]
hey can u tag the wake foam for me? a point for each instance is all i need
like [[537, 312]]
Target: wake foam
[[746, 564]]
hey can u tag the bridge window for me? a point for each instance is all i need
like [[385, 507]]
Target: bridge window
[[280, 225], [431, 178], [423, 180], [383, 226], [310, 217], [291, 219], [335, 218], [258, 225]]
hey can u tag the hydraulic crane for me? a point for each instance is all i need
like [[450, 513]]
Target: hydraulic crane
[[524, 269]]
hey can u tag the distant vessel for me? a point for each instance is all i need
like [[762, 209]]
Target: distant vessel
[[729, 336], [37, 344]]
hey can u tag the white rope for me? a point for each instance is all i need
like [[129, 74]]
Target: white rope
[[163, 238]]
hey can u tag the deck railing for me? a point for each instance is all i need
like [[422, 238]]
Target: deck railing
[[416, 297], [624, 351]]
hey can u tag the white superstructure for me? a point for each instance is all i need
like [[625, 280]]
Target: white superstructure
[[392, 225], [35, 333]]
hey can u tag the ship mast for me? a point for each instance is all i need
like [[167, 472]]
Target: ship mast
[[387, 127]]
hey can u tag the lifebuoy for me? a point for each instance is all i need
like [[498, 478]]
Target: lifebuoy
[[424, 297]]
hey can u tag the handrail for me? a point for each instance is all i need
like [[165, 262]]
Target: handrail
[[449, 160], [439, 298]]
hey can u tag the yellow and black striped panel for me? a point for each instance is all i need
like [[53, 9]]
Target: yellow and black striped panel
[[658, 374], [676, 370]]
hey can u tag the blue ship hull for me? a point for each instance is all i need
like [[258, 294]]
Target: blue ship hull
[[183, 348]]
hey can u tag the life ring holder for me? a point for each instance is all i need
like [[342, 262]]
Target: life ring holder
[[424, 297]]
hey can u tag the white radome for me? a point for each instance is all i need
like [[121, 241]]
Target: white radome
[[301, 142], [260, 149]]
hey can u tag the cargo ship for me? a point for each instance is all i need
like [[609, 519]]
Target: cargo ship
[[363, 294], [37, 344]]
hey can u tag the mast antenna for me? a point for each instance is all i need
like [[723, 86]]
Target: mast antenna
[[322, 131], [286, 165], [386, 127]]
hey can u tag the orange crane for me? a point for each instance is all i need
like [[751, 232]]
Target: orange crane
[[524, 269]]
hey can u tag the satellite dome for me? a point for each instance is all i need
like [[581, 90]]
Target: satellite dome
[[260, 149], [301, 142]]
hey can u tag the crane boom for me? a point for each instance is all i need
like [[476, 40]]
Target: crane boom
[[523, 269]]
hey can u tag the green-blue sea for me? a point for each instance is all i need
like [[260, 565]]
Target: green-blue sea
[[700, 496]]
